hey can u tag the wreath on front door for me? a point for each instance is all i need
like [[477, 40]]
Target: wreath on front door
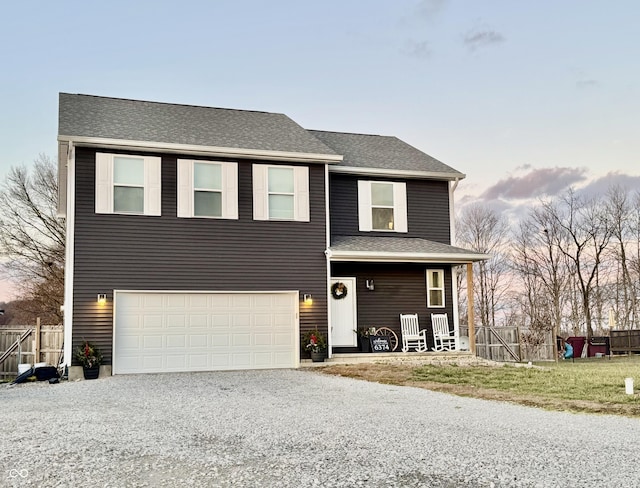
[[339, 290]]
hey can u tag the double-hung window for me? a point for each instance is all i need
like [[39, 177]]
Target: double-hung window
[[435, 288], [280, 192], [207, 189], [127, 184], [382, 206]]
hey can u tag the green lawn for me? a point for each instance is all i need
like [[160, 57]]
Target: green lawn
[[597, 380], [586, 385]]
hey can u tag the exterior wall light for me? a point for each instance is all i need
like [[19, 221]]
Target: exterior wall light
[[369, 284], [307, 298], [102, 298]]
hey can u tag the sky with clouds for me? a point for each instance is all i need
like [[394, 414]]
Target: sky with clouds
[[523, 97]]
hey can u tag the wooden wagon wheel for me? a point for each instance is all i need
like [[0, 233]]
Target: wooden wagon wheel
[[387, 332]]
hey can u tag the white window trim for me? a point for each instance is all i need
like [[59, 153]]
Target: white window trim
[[261, 192], [365, 207], [186, 189], [430, 288], [105, 185]]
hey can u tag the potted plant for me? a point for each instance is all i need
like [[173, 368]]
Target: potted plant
[[316, 344], [90, 357], [363, 338]]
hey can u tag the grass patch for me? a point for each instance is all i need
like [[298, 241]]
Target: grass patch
[[585, 385]]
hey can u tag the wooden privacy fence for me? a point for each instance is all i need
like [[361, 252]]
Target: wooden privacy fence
[[624, 341], [29, 344], [512, 344]]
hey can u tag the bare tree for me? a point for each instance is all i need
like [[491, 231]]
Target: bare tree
[[541, 268], [623, 217], [483, 230], [32, 237], [584, 234]]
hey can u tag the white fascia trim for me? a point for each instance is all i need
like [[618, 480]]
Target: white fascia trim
[[394, 257], [397, 173], [211, 292], [69, 253], [328, 259], [196, 150]]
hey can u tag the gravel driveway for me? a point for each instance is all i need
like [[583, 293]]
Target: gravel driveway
[[297, 428]]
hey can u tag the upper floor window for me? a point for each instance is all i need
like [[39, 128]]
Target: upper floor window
[[280, 192], [207, 189], [435, 288], [127, 184], [382, 206]]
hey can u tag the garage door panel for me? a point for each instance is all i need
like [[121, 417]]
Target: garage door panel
[[177, 301], [240, 320], [152, 321], [220, 320], [156, 332], [283, 339], [152, 363], [176, 321], [263, 339], [220, 340], [151, 301], [238, 339], [199, 320], [198, 340], [152, 342], [196, 301], [241, 301], [174, 341]]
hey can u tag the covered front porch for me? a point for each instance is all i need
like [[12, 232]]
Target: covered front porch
[[375, 279]]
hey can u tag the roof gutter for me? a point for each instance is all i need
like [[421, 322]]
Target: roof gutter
[[397, 173], [394, 257], [198, 150]]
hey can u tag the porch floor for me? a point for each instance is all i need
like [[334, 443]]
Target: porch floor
[[417, 358]]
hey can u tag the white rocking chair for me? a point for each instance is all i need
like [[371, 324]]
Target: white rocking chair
[[444, 339], [412, 336]]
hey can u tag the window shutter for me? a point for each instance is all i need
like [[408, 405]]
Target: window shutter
[[152, 186], [260, 202], [301, 189], [230, 190], [364, 206], [104, 183], [400, 207], [185, 188]]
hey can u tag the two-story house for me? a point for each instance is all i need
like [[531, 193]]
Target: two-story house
[[207, 239]]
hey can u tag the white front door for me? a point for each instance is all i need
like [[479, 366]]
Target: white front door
[[344, 320]]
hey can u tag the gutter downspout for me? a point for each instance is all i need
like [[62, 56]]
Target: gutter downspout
[[454, 272], [69, 253]]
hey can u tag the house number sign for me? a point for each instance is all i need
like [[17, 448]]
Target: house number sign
[[379, 344]]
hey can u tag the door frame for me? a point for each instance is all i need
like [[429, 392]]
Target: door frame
[[353, 294]]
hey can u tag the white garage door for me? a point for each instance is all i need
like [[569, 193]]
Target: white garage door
[[165, 332]]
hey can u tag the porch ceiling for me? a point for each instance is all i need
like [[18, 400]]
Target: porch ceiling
[[399, 249]]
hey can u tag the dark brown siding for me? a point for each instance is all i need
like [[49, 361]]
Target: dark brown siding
[[399, 288], [166, 253], [427, 208]]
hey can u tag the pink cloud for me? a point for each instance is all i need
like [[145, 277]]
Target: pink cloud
[[537, 182]]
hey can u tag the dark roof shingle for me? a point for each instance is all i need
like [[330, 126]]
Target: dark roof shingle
[[136, 120], [381, 152], [399, 245]]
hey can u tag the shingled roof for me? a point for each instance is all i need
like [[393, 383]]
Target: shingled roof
[[136, 120], [409, 249], [383, 152]]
